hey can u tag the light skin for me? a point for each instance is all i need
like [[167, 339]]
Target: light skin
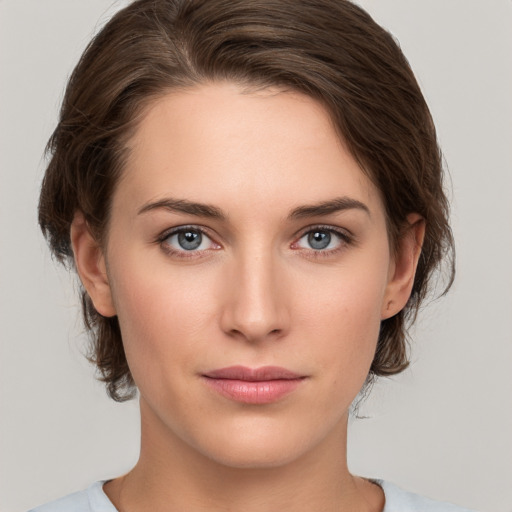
[[244, 233]]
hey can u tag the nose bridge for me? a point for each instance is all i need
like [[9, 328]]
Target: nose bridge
[[256, 305]]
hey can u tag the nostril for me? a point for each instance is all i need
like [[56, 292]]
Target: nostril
[[248, 334]]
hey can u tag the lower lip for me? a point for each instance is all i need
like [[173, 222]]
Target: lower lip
[[254, 392]]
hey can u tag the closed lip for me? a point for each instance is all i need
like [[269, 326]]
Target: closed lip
[[264, 373], [256, 386]]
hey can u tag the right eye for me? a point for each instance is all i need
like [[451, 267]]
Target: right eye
[[183, 240]]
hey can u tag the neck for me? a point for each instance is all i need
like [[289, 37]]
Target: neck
[[171, 475]]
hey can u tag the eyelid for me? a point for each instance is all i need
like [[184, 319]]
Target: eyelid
[[177, 229], [344, 233]]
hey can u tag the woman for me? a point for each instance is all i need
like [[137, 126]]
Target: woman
[[251, 194]]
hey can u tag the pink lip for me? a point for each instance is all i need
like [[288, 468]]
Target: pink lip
[[253, 386]]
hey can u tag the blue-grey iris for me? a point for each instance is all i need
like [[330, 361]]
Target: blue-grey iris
[[319, 239], [190, 240]]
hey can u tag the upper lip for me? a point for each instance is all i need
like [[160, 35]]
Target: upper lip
[[264, 373]]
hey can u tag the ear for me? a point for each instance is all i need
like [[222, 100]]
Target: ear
[[91, 267], [403, 266]]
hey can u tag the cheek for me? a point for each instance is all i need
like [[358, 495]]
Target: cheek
[[162, 315], [343, 316]]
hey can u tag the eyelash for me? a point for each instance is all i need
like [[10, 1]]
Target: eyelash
[[344, 237]]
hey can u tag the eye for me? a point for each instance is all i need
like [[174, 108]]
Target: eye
[[322, 239], [187, 239]]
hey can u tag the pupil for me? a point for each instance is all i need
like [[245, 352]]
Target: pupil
[[189, 240], [319, 239]]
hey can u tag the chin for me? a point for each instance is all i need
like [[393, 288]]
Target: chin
[[254, 445], [241, 456]]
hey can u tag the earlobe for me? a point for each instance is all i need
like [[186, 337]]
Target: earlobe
[[403, 266], [91, 267]]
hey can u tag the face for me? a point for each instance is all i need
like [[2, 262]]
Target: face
[[249, 265]]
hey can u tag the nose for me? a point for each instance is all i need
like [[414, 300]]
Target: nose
[[255, 306]]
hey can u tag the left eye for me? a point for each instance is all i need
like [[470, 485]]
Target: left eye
[[188, 239], [320, 240]]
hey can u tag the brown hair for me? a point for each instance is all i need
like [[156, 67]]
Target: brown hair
[[330, 50]]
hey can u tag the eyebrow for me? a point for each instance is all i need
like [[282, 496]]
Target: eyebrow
[[328, 207], [205, 210], [185, 206]]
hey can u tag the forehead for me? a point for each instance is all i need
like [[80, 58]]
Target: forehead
[[219, 142]]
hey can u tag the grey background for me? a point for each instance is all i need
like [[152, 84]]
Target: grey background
[[442, 429]]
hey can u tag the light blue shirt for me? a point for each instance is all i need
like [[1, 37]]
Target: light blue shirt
[[94, 499]]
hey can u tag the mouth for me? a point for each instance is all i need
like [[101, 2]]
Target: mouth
[[263, 385]]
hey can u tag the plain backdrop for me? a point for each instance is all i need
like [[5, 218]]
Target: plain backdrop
[[442, 429]]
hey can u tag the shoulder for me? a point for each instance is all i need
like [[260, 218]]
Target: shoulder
[[92, 499], [398, 500]]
